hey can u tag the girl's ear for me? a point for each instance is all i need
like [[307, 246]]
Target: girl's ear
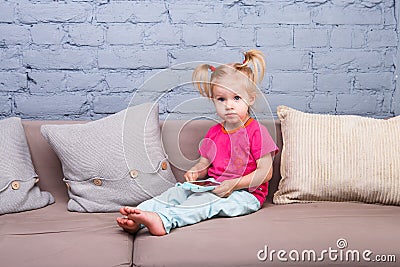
[[252, 99]]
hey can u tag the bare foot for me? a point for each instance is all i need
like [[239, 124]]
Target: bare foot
[[127, 224], [127, 210], [150, 219]]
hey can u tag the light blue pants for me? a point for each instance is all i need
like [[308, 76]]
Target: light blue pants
[[178, 207]]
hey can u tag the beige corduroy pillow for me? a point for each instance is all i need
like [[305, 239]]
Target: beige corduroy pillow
[[338, 158]]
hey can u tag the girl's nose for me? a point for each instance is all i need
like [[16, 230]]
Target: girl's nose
[[228, 104]]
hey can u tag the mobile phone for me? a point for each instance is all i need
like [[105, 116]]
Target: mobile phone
[[200, 185], [207, 182]]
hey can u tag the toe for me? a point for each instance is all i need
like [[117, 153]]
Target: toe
[[132, 210], [123, 211], [120, 223]]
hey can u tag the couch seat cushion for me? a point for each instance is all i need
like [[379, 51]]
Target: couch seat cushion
[[52, 236], [313, 226]]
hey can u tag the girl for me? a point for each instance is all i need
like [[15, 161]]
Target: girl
[[236, 152]]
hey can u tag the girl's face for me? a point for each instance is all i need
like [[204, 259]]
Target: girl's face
[[232, 104]]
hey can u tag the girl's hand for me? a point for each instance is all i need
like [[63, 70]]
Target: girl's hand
[[226, 188], [197, 171], [191, 175]]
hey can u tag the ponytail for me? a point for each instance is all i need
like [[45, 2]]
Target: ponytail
[[201, 79], [256, 58]]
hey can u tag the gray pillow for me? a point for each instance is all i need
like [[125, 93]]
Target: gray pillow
[[18, 180], [114, 161]]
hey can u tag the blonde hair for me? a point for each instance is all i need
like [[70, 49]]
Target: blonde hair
[[203, 82]]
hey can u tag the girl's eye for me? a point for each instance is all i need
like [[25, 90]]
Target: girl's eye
[[237, 97], [221, 99]]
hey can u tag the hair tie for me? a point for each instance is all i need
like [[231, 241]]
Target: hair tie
[[212, 68], [245, 61]]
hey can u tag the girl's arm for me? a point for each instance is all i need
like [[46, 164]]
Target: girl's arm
[[198, 171], [262, 174]]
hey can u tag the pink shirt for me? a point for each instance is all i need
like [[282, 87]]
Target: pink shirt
[[234, 154]]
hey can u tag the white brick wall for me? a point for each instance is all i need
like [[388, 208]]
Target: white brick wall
[[5, 105], [7, 12], [85, 59]]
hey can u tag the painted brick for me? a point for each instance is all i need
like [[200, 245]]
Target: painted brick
[[323, 103], [62, 104], [163, 34], [357, 104], [122, 34], [12, 81], [162, 81], [45, 82], [347, 38], [84, 82], [292, 82], [389, 14], [350, 15], [395, 108], [190, 103], [381, 38], [334, 82], [262, 107], [195, 35], [374, 81], [211, 55], [110, 103], [390, 58], [288, 60], [123, 82], [14, 34], [9, 58], [202, 13], [5, 105], [269, 13], [131, 11], [142, 97], [271, 37], [86, 34], [365, 3], [310, 37], [293, 101], [52, 34], [54, 12], [238, 36], [60, 59], [359, 60], [385, 98], [265, 85], [105, 50], [7, 12], [128, 58], [342, 38], [316, 2]]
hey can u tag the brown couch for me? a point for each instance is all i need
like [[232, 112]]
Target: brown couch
[[53, 236]]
